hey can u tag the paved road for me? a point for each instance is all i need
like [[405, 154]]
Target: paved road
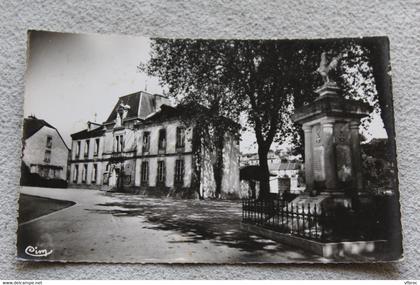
[[114, 227]]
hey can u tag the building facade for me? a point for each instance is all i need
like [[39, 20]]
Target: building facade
[[253, 159], [44, 153], [289, 177], [146, 147]]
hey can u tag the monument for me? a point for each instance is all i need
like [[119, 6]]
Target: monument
[[333, 166]]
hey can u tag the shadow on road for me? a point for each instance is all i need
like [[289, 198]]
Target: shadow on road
[[215, 221]]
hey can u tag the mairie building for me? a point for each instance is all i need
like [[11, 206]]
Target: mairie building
[[146, 147]]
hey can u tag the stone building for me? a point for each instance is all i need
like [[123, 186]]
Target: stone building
[[146, 146], [288, 177], [253, 159], [44, 154]]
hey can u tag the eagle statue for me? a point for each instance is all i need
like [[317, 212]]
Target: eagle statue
[[324, 68]]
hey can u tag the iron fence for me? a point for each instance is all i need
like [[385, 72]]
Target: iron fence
[[315, 222]]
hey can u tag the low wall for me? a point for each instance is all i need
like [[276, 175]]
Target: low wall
[[85, 186], [327, 250]]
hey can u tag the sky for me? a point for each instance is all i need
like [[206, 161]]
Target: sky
[[75, 78]]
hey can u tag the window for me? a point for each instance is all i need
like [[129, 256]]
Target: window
[[75, 173], [144, 172], [179, 171], [78, 149], [180, 137], [49, 141], [146, 142], [96, 148], [162, 139], [86, 148], [84, 173], [106, 175], [161, 171], [119, 143], [47, 157], [94, 173]]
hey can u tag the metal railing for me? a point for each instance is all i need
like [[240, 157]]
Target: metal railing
[[314, 222]]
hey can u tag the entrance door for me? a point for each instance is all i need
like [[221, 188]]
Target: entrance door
[[113, 178]]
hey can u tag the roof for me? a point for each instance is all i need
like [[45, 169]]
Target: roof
[[141, 104], [188, 110], [132, 100], [289, 165], [252, 172], [166, 112], [85, 134], [32, 125]]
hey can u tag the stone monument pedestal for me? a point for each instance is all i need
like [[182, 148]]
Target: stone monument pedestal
[[333, 165]]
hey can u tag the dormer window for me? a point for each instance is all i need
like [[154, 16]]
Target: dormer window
[[122, 112]]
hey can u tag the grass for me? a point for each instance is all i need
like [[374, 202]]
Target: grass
[[32, 207]]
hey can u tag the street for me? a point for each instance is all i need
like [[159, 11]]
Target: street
[[116, 227]]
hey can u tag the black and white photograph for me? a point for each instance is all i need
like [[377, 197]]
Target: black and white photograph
[[227, 151]]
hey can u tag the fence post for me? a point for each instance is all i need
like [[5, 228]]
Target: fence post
[[291, 211], [309, 221], [298, 219], [243, 210], [323, 223], [316, 221], [247, 209], [254, 214], [281, 215]]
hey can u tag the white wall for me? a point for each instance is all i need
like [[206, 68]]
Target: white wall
[[231, 164], [35, 146], [171, 153]]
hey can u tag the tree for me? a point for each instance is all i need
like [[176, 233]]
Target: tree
[[267, 79], [193, 71], [278, 76]]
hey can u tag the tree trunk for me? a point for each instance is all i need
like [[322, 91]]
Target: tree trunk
[[380, 66], [218, 164], [196, 150], [265, 179]]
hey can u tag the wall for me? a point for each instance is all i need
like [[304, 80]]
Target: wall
[[169, 156], [230, 181], [35, 146], [209, 19]]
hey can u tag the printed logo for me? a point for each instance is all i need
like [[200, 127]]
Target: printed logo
[[34, 251]]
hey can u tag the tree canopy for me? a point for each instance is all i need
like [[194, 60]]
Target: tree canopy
[[267, 79]]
